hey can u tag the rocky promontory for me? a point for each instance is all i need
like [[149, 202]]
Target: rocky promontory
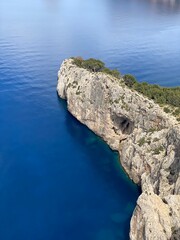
[[147, 139]]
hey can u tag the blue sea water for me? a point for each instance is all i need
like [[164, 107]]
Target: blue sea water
[[58, 181]]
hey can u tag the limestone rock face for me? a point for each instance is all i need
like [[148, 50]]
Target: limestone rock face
[[151, 219], [147, 139]]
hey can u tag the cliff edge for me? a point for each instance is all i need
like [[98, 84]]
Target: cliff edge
[[147, 139]]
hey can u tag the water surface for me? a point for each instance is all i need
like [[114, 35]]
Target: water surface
[[57, 179]]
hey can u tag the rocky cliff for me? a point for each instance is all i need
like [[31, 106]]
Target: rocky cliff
[[147, 139]]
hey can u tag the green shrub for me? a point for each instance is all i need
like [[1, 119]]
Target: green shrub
[[167, 110], [78, 61], [115, 73], [176, 112], [95, 65], [91, 64], [151, 130], [157, 150], [129, 80], [161, 95], [141, 141]]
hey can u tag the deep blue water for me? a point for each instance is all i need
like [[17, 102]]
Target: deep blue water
[[58, 181]]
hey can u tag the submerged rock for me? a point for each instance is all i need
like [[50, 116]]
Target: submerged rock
[[147, 139]]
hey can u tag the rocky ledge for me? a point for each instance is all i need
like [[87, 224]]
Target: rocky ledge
[[147, 139]]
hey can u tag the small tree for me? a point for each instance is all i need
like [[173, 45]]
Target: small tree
[[129, 80], [93, 64], [78, 61], [115, 73]]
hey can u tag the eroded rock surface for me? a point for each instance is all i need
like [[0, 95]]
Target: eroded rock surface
[[147, 139]]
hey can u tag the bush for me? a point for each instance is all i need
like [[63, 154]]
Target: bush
[[95, 65], [78, 61], [167, 110], [161, 95], [176, 112], [129, 80], [158, 150], [141, 141], [114, 73]]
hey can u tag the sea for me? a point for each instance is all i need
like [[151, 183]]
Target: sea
[[58, 180]]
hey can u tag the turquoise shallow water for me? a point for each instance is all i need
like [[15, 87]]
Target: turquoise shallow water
[[57, 179]]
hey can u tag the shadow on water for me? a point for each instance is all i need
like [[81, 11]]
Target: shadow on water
[[106, 165]]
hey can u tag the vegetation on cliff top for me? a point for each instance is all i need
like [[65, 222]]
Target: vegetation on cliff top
[[95, 65], [161, 95]]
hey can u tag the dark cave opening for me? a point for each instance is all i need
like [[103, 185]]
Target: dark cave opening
[[123, 123]]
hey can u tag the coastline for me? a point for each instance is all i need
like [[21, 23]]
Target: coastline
[[125, 119]]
